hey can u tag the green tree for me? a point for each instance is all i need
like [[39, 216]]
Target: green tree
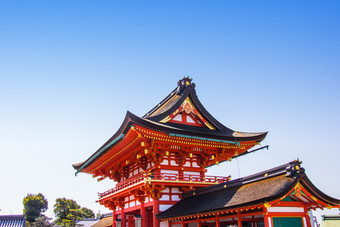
[[67, 212], [86, 213], [34, 205]]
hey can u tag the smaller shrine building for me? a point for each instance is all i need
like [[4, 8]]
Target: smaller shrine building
[[279, 197]]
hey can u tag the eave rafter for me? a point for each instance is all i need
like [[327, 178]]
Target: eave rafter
[[229, 213], [192, 144], [141, 144], [117, 156]]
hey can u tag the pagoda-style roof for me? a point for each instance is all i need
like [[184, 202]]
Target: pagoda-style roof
[[184, 98], [180, 114], [287, 182]]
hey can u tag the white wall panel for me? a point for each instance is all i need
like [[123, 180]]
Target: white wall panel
[[285, 209]]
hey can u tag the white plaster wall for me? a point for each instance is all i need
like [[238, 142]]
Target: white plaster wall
[[165, 198], [187, 164], [285, 209], [191, 173], [194, 164], [165, 162], [175, 190], [175, 198], [164, 224], [169, 171]]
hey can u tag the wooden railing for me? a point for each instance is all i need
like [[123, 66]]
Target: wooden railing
[[164, 177]]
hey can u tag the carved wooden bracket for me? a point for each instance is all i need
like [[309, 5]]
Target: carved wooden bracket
[[143, 162], [117, 176], [202, 160], [126, 171], [155, 191], [120, 202], [181, 157], [139, 195], [157, 156], [112, 205]]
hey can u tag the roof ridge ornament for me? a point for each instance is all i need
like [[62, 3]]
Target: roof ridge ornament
[[183, 83], [294, 168]]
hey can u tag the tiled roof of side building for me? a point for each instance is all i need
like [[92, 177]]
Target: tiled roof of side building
[[259, 188], [104, 222], [12, 221], [87, 222]]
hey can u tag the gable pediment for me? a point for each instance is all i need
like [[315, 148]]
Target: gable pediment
[[187, 114]]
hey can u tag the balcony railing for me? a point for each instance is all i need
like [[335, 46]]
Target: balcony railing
[[166, 177]]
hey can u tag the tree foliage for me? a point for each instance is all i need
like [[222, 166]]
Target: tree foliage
[[67, 212], [34, 205], [86, 213]]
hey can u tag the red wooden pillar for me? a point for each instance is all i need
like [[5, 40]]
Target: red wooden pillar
[[198, 222], [114, 218], [309, 224], [217, 221], [239, 218], [155, 212], [180, 174], [202, 176], [122, 214], [266, 218], [143, 214]]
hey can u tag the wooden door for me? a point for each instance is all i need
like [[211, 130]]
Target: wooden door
[[131, 221]]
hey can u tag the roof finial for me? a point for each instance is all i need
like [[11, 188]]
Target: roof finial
[[183, 83]]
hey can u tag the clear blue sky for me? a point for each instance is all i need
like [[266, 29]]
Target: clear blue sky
[[69, 71]]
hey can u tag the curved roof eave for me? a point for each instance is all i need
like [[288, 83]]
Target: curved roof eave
[[306, 182], [122, 129], [131, 119]]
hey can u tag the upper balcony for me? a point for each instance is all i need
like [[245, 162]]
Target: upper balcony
[[164, 178]]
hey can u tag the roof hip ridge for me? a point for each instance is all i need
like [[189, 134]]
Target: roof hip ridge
[[290, 169]]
